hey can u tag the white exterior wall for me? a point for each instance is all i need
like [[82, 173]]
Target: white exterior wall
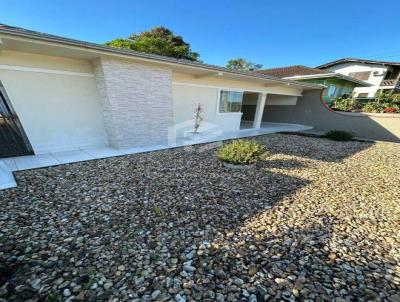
[[272, 99], [67, 104], [186, 99], [278, 88], [55, 99], [375, 80], [281, 100]]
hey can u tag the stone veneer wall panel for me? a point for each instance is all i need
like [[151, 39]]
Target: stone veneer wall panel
[[137, 102]]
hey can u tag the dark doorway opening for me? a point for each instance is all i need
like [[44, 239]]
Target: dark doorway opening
[[249, 108], [13, 140]]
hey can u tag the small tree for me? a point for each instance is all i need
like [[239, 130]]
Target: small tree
[[241, 64], [159, 41], [197, 117], [121, 43]]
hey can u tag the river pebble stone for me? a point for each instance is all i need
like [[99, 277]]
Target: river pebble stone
[[318, 220]]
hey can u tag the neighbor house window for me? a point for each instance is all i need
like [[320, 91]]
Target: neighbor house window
[[362, 75], [331, 91], [230, 101], [362, 95]]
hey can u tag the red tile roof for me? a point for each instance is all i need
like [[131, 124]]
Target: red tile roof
[[290, 71]]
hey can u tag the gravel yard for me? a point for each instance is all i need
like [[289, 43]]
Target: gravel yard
[[319, 220]]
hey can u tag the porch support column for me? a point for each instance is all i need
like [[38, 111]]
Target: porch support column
[[259, 110]]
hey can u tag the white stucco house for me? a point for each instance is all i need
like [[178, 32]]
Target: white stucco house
[[61, 94], [381, 75]]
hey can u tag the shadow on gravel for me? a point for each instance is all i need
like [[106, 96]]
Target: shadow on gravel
[[150, 223], [140, 207], [139, 211], [315, 262]]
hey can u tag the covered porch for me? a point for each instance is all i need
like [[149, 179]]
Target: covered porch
[[216, 136], [256, 111]]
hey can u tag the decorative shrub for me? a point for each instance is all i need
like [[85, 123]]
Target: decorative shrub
[[391, 110], [339, 135], [374, 106], [389, 98], [387, 102], [330, 103], [346, 104], [382, 101], [242, 152]]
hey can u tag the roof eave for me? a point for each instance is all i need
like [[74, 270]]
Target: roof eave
[[347, 60], [312, 76], [145, 56], [331, 75]]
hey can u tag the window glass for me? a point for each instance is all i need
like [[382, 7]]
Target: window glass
[[362, 95], [230, 101], [331, 91], [362, 75]]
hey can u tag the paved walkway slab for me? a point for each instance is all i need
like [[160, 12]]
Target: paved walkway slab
[[65, 157]]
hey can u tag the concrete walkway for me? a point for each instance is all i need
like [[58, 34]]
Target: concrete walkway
[[12, 164]]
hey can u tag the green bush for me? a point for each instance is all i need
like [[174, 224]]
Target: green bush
[[384, 102], [242, 152], [380, 104], [388, 98], [339, 135], [374, 107], [330, 103], [346, 104]]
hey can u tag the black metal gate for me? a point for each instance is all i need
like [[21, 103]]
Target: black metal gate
[[13, 140]]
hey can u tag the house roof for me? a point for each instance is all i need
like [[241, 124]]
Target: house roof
[[300, 72], [289, 71], [67, 42], [365, 61]]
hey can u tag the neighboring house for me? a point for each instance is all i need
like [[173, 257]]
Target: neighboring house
[[61, 94], [338, 85], [381, 75]]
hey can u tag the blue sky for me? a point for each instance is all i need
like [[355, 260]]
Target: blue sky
[[273, 33]]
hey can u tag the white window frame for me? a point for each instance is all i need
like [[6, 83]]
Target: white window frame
[[219, 101]]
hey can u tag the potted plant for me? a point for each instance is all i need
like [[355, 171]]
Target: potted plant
[[241, 154]]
